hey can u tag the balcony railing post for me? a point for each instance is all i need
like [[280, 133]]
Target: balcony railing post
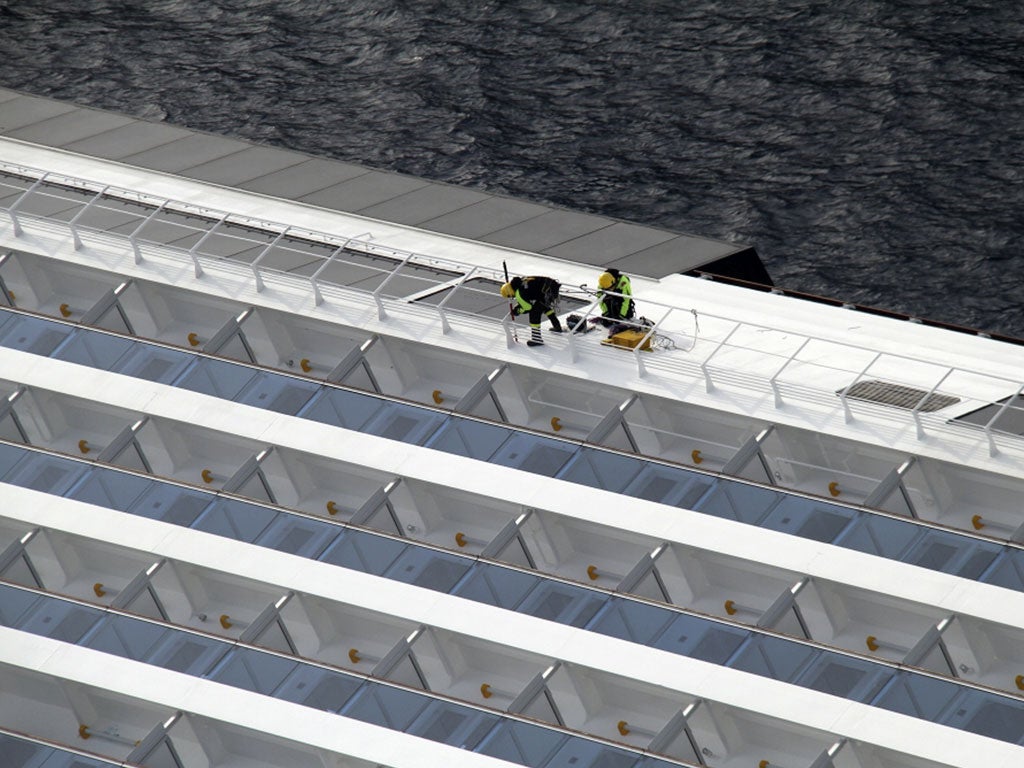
[[73, 224], [708, 384], [774, 383], [12, 211]]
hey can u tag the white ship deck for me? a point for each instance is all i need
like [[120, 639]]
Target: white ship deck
[[721, 552]]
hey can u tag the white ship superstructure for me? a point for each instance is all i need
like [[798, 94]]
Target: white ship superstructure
[[283, 485]]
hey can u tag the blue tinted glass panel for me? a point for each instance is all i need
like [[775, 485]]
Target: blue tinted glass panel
[[581, 753], [429, 569], [61, 759], [1007, 570], [404, 422], [30, 334], [154, 363], [318, 688], [9, 456], [235, 519], [273, 392], [187, 653], [338, 408], [114, 490], [668, 486], [562, 603], [216, 378], [879, 536], [128, 638], [988, 715], [474, 439], [917, 696], [15, 605], [298, 536], [382, 705], [539, 455], [839, 675], [701, 639], [502, 587], [808, 518], [522, 743], [628, 620], [253, 671], [61, 621], [50, 474], [22, 754], [96, 350], [172, 504], [739, 501], [363, 552], [950, 553], [773, 657], [451, 724], [601, 469]]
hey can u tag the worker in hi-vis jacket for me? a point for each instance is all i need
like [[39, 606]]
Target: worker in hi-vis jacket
[[615, 309], [534, 296]]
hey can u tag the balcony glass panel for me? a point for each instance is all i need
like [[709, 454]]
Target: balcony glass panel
[[426, 568], [318, 688], [406, 423], [701, 639], [298, 536], [522, 743], [339, 408], [96, 350], [839, 675], [949, 553], [15, 606], [154, 363], [172, 504], [578, 753], [234, 519], [19, 753], [279, 394], [113, 490], [1007, 570], [363, 552], [455, 725], [49, 474], [32, 334], [562, 603], [502, 587], [629, 620], [602, 469], [669, 486], [739, 501], [253, 671], [532, 453], [463, 437], [880, 536], [216, 378], [60, 620], [808, 518], [383, 705]]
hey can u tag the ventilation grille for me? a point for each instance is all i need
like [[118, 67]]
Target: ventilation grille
[[898, 396]]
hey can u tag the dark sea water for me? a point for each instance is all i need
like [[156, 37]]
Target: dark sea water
[[871, 151]]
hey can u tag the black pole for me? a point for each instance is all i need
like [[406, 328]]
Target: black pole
[[515, 336]]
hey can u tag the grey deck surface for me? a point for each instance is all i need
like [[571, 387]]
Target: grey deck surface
[[352, 188]]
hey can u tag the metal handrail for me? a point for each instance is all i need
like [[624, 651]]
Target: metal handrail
[[365, 243]]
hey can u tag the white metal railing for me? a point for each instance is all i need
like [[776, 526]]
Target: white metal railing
[[90, 196]]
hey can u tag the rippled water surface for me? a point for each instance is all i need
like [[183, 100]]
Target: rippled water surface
[[869, 150]]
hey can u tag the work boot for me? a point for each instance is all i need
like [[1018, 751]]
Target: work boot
[[535, 339], [556, 324]]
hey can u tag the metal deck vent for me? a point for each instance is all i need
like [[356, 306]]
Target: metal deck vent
[[899, 396]]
